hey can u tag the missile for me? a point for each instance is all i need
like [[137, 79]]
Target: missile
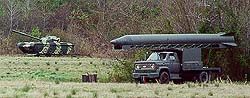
[[220, 40]]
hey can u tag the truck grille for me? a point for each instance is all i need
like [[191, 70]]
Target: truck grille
[[144, 66]]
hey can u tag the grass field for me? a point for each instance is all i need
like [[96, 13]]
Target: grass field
[[60, 77], [68, 69]]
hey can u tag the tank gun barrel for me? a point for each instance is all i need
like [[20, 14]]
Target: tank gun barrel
[[24, 34]]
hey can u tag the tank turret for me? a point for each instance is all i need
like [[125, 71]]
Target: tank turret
[[50, 39]]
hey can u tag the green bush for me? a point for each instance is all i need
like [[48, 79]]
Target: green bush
[[122, 71], [35, 32], [73, 92]]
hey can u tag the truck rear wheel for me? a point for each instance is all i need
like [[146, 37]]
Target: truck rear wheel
[[204, 77], [179, 81], [164, 78]]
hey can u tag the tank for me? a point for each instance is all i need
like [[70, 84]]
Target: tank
[[48, 45]]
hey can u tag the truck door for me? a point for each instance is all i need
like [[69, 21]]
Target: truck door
[[174, 64]]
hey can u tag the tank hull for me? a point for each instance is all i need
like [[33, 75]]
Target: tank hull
[[39, 48]]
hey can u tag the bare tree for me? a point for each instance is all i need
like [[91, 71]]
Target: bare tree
[[12, 11], [28, 13]]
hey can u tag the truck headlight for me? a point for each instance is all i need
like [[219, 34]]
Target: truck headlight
[[152, 66]]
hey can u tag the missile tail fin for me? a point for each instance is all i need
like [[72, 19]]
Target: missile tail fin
[[230, 44], [227, 34]]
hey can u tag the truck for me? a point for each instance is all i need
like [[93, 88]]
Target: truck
[[174, 57], [164, 65]]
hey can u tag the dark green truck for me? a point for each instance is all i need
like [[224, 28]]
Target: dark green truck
[[165, 65], [178, 57]]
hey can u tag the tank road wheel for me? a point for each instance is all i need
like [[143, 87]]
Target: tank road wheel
[[204, 77], [37, 55], [164, 78], [48, 55]]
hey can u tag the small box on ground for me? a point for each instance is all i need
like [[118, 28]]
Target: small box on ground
[[89, 77]]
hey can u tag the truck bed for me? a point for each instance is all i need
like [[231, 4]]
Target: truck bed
[[213, 69]]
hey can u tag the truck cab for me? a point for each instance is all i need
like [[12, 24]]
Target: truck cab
[[173, 64]]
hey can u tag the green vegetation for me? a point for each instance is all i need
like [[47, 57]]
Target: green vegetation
[[210, 93], [1, 9], [69, 96], [57, 81], [170, 88], [55, 93], [113, 90], [91, 26], [122, 71], [35, 32], [73, 92], [67, 69], [48, 63], [95, 95], [110, 90], [30, 80], [157, 92], [190, 84], [45, 94], [26, 88]]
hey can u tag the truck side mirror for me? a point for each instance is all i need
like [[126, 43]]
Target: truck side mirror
[[146, 55]]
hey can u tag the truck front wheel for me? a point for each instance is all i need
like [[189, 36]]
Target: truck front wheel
[[137, 80], [204, 77], [164, 78]]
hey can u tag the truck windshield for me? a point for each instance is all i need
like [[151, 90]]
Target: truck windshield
[[153, 57]]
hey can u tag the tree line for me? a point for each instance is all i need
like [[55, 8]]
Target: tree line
[[91, 24]]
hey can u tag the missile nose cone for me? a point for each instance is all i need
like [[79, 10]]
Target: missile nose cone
[[113, 41], [18, 44], [120, 40]]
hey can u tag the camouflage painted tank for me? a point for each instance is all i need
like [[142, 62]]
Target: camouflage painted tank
[[49, 45]]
